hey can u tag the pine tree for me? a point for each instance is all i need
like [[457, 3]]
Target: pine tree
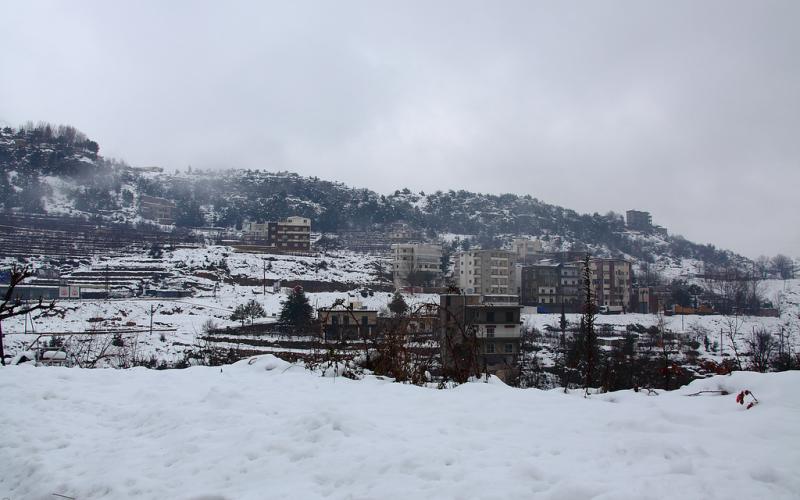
[[589, 337], [297, 311], [398, 304], [240, 313]]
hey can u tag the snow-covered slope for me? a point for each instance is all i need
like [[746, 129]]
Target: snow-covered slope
[[264, 429]]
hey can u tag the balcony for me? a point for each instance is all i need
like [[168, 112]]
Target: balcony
[[498, 331]]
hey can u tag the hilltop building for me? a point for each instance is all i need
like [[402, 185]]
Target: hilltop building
[[638, 220]]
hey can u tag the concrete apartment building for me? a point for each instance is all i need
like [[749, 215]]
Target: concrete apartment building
[[485, 272], [548, 285], [638, 220], [292, 234], [527, 250], [493, 320], [611, 283], [570, 293], [413, 264], [540, 284], [160, 210]]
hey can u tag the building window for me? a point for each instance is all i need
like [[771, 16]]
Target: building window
[[509, 348], [490, 316], [490, 348], [490, 331], [509, 316]]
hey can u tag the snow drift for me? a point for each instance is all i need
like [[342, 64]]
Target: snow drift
[[262, 428]]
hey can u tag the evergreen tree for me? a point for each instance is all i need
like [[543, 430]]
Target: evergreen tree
[[240, 313], [398, 304], [588, 335], [297, 311]]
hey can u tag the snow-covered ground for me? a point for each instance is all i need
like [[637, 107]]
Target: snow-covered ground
[[183, 319], [264, 429]]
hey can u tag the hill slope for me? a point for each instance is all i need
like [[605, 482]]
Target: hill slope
[[61, 172]]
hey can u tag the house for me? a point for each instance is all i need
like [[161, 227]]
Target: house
[[485, 272], [348, 322], [491, 324], [401, 232], [160, 210], [416, 264]]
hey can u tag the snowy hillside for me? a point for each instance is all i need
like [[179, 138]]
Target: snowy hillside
[[51, 171], [265, 429]]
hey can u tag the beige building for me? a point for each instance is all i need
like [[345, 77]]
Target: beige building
[[416, 264], [611, 283], [527, 249], [485, 272]]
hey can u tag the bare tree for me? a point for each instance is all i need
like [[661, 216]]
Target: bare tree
[[733, 325], [763, 266], [11, 306], [784, 266], [762, 346]]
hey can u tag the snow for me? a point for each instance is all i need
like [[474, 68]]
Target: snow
[[185, 318], [266, 429]]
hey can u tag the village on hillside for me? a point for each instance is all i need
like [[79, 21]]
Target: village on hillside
[[212, 295]]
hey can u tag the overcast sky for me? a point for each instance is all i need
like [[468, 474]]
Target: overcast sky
[[690, 110]]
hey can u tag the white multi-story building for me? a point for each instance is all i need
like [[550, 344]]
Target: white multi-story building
[[485, 272], [416, 264]]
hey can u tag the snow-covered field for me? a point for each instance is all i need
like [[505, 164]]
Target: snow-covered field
[[266, 429], [184, 319]]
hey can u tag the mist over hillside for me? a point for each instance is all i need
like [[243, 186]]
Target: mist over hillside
[[58, 170]]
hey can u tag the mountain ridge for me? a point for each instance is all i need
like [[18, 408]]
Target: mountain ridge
[[57, 169]]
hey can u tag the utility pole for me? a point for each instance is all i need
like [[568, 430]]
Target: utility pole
[[264, 278], [151, 321]]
